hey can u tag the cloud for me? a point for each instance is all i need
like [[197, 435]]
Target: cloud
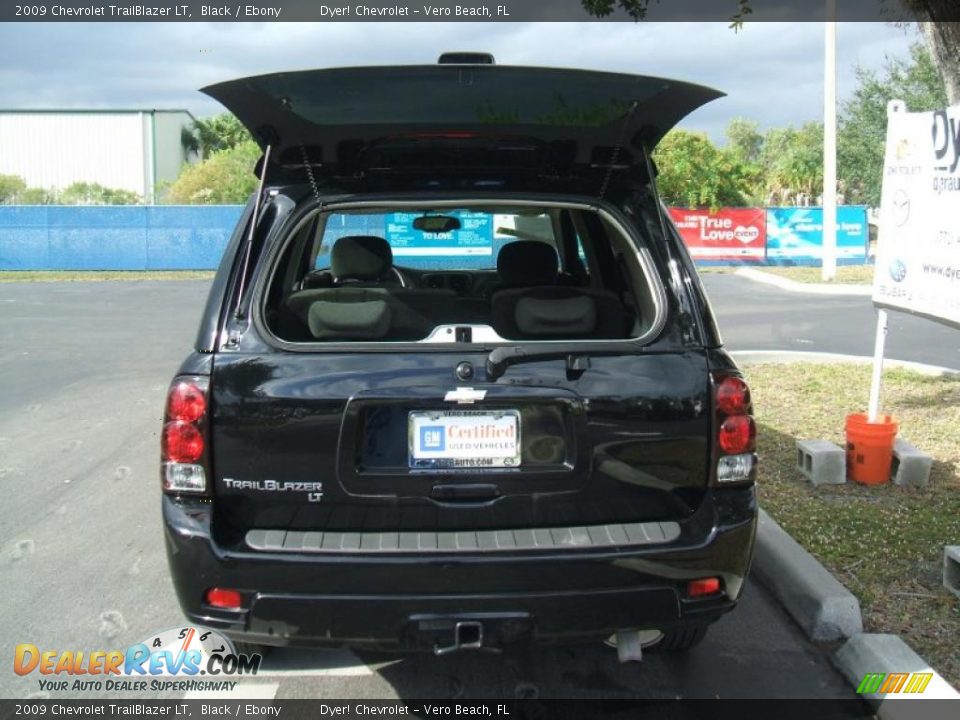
[[771, 72]]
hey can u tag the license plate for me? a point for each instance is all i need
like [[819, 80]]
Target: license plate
[[464, 439]]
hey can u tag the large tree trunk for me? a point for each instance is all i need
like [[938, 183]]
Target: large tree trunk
[[943, 40]]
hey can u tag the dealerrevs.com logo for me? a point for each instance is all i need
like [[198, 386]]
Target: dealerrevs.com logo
[[168, 661], [885, 683]]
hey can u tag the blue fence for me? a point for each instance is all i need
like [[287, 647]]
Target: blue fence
[[192, 237], [133, 237]]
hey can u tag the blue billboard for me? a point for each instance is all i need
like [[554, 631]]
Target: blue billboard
[[473, 238], [796, 233], [473, 246]]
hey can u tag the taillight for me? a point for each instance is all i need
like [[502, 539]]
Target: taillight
[[183, 443], [736, 430], [733, 396], [224, 598], [703, 587], [737, 434], [186, 402]]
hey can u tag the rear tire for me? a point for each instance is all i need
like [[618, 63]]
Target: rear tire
[[681, 639]]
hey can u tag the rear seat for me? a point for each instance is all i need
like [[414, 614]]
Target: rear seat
[[531, 306], [371, 313], [357, 301]]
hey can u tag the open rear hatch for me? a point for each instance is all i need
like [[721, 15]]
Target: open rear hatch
[[351, 122], [353, 441]]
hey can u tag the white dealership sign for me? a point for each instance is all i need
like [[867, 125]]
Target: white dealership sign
[[918, 252]]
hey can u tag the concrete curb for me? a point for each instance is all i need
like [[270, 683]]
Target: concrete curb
[[887, 654], [809, 288], [754, 357], [823, 607]]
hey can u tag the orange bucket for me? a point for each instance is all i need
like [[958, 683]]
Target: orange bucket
[[870, 448]]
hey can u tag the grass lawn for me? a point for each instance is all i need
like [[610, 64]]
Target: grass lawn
[[95, 275], [713, 269], [884, 543], [846, 274]]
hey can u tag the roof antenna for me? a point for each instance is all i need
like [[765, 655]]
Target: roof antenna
[[253, 227], [615, 153]]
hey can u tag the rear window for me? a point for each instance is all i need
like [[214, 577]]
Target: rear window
[[460, 274]]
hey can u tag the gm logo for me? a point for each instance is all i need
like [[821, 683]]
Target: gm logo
[[432, 438]]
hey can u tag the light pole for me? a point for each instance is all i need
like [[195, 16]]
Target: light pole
[[829, 262]]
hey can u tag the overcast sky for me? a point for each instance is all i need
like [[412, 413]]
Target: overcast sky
[[772, 73]]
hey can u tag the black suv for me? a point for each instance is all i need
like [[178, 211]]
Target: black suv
[[457, 383]]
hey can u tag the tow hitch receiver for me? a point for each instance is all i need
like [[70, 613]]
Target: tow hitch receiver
[[467, 635]]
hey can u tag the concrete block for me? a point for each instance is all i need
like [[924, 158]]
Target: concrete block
[[822, 462], [823, 607], [911, 467], [885, 655], [951, 568]]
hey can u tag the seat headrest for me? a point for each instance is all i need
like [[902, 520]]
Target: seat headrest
[[527, 262], [360, 257]]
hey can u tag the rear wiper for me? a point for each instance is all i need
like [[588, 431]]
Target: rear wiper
[[501, 358]]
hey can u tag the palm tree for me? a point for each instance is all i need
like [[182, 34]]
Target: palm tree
[[220, 132]]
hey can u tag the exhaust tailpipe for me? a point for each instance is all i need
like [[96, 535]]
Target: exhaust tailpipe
[[630, 643]]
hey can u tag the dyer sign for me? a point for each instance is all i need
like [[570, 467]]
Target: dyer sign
[[918, 251], [728, 234]]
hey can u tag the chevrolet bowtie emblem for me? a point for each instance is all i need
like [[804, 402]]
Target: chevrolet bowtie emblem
[[465, 395]]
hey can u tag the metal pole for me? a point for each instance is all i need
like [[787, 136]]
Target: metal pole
[[877, 381], [253, 229], [153, 157], [829, 263]]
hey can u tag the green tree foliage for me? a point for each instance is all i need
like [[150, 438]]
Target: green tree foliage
[[637, 9], [780, 167], [37, 196], [744, 140], [696, 173], [11, 187], [863, 118], [792, 162], [84, 193], [14, 191], [220, 132], [225, 177]]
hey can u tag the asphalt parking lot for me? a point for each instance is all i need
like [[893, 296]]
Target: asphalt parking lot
[[754, 316], [83, 372]]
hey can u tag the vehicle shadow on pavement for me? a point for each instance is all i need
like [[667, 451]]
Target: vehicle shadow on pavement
[[754, 652]]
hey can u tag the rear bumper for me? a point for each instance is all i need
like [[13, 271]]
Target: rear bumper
[[412, 600]]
